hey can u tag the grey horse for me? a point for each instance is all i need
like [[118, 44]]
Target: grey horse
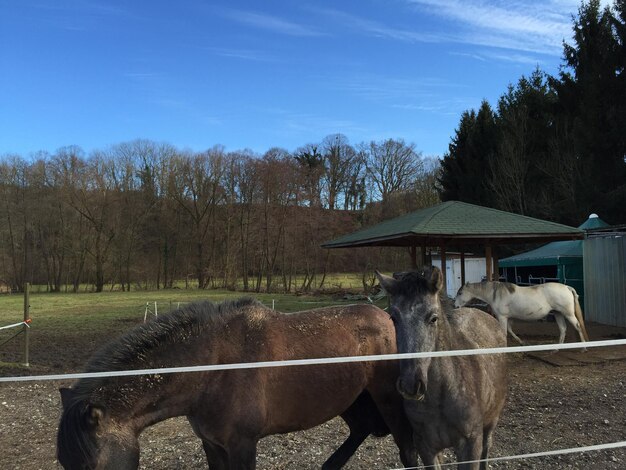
[[451, 402]]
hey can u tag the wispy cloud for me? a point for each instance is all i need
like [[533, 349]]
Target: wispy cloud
[[438, 104], [188, 110], [243, 54], [426, 94], [491, 55], [378, 29], [271, 23], [521, 25], [307, 124], [524, 25], [381, 88], [80, 17], [140, 75]]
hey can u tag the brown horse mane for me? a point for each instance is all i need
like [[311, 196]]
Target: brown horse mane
[[134, 346], [74, 437]]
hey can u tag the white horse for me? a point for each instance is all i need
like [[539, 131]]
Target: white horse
[[509, 301]]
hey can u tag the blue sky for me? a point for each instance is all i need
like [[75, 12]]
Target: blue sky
[[257, 74]]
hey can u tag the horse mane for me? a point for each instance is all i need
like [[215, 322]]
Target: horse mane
[[497, 288], [411, 283], [502, 286], [414, 283], [134, 346], [74, 440]]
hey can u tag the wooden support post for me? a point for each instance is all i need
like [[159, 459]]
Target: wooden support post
[[413, 252], [462, 268], [423, 262], [443, 268], [26, 322], [488, 263], [496, 268]]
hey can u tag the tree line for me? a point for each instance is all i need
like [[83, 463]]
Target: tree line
[[553, 147], [144, 214]]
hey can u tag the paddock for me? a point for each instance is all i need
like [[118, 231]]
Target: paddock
[[549, 408]]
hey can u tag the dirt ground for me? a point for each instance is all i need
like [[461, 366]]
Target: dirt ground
[[549, 407]]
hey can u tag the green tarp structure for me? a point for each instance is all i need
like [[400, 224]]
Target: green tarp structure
[[547, 255]]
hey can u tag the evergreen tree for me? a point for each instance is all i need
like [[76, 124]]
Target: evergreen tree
[[463, 168], [524, 126], [591, 95]]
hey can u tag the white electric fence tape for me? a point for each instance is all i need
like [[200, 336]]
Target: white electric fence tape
[[14, 325], [308, 362], [549, 453], [336, 360]]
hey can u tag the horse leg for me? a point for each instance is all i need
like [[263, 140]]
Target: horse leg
[[469, 452], [487, 440], [341, 456], [363, 419], [215, 455], [560, 321], [242, 454], [576, 324], [392, 410], [510, 329], [430, 459], [504, 324]]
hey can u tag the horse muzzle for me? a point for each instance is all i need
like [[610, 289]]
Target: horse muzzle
[[414, 390]]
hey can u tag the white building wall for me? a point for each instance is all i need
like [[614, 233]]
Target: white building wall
[[475, 269]]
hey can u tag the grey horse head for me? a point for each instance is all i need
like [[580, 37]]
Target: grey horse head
[[416, 312]]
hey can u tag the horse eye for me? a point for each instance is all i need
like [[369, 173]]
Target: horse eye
[[433, 319]]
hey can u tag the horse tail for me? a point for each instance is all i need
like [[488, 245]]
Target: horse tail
[[579, 313]]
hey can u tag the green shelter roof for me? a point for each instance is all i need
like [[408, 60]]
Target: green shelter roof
[[564, 252], [593, 222], [456, 222], [547, 255]]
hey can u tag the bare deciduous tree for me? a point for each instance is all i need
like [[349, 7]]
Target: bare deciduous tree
[[392, 166]]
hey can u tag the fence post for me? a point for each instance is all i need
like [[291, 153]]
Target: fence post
[[26, 321]]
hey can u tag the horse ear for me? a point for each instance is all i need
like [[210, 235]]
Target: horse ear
[[387, 282], [435, 282], [67, 396], [95, 415]]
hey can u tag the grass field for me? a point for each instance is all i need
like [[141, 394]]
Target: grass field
[[102, 316], [331, 282]]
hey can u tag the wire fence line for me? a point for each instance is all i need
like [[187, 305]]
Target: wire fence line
[[318, 361], [383, 357], [548, 453], [13, 325]]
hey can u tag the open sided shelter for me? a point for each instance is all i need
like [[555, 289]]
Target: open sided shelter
[[456, 225]]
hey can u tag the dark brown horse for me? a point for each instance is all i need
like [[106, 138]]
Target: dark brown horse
[[231, 410], [451, 401]]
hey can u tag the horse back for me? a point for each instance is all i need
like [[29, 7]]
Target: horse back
[[485, 376], [559, 294], [475, 328], [303, 396], [359, 329]]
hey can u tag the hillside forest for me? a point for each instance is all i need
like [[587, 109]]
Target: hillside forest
[[146, 214]]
